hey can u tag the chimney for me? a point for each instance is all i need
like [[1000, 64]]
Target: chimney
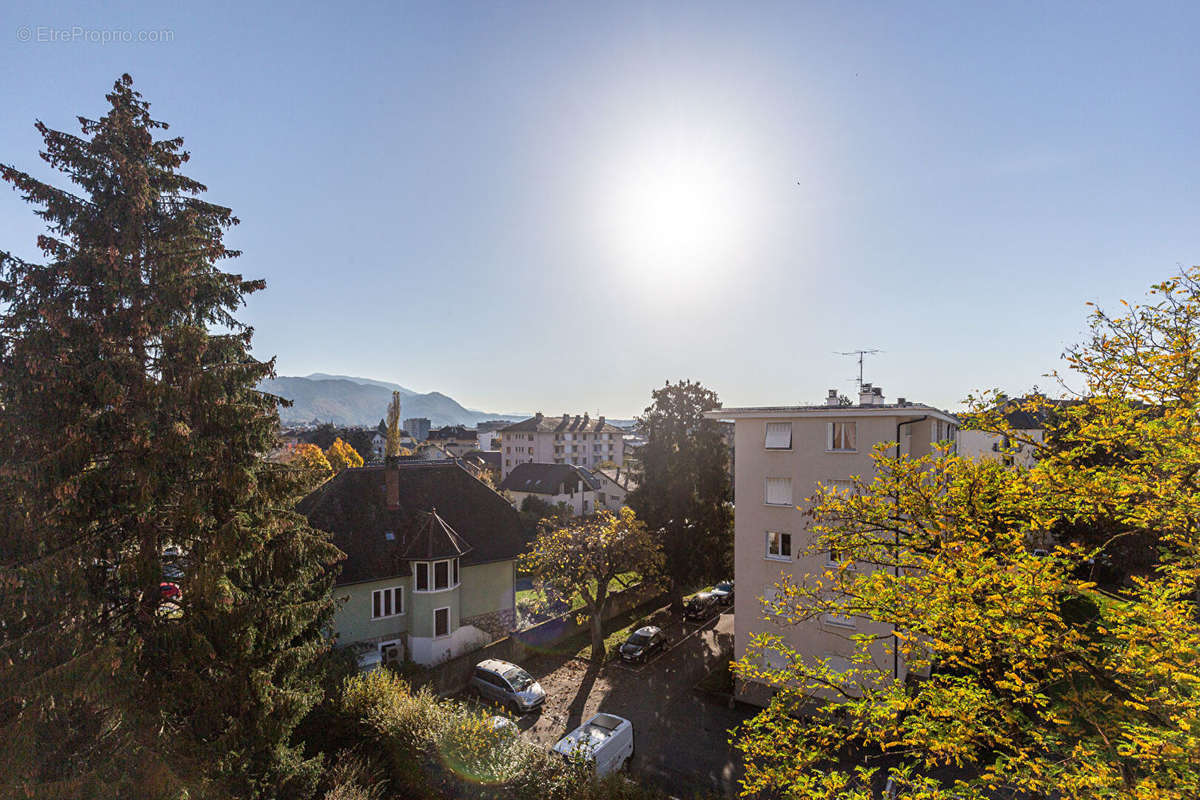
[[601, 422], [832, 398], [537, 417], [391, 472], [865, 395], [902, 402], [585, 419]]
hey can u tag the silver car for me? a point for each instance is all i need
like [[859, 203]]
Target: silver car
[[508, 685]]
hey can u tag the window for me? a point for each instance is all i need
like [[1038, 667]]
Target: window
[[441, 575], [832, 558], [779, 492], [422, 577], [387, 602], [779, 436], [441, 622], [841, 436], [456, 572], [779, 546]]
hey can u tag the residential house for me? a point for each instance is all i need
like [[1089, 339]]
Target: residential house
[[552, 484], [479, 462], [379, 443], [576, 440], [615, 484], [783, 453], [430, 559], [1027, 416], [454, 439]]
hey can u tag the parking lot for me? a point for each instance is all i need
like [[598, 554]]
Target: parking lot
[[680, 736]]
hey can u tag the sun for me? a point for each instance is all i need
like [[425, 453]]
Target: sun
[[671, 209]]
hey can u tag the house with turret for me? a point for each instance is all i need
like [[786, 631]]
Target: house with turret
[[430, 563]]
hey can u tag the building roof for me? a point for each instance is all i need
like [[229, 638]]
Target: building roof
[[452, 432], [620, 477], [546, 478], [485, 458], [434, 538], [564, 424], [352, 506], [784, 412]]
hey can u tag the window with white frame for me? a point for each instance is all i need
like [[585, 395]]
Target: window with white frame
[[435, 576], [422, 581], [779, 436], [779, 546], [387, 602], [441, 575], [779, 492], [838, 619], [441, 622], [841, 436]]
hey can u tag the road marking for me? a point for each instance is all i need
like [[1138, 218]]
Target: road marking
[[702, 626]]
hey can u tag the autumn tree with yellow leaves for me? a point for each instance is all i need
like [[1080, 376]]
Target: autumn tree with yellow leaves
[[1040, 683], [584, 557], [341, 455]]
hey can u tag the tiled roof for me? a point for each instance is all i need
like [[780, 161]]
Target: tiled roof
[[352, 506], [620, 477], [545, 478], [564, 424]]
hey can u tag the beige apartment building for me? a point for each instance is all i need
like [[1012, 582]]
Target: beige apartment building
[[582, 441], [782, 454]]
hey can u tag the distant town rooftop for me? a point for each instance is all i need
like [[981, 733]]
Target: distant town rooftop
[[870, 403]]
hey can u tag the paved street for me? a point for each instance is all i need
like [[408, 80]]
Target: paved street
[[680, 737]]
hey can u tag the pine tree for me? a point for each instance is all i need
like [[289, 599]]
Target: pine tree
[[132, 452]]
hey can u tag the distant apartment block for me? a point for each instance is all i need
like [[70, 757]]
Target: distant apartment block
[[1026, 422], [783, 452], [582, 441], [552, 484], [418, 427]]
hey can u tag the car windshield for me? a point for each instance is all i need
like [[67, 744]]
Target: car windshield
[[518, 678], [640, 639]]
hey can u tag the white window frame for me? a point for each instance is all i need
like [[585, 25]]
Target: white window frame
[[393, 594], [453, 571], [449, 619], [767, 492], [839, 621], [779, 441], [779, 555], [831, 429]]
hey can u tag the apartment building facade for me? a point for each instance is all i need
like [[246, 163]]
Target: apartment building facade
[[783, 453], [582, 441]]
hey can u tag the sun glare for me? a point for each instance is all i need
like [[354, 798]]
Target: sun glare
[[673, 210]]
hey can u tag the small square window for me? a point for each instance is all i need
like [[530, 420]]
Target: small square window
[[441, 622], [779, 492], [779, 546], [779, 436]]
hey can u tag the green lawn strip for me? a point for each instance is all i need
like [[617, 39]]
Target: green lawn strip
[[531, 597], [617, 630]]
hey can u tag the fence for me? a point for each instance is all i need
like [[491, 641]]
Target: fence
[[452, 676]]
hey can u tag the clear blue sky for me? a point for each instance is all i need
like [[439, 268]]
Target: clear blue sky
[[558, 208]]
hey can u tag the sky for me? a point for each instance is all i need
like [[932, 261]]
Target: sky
[[560, 206]]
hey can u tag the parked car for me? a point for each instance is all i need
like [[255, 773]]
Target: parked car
[[724, 592], [700, 606], [508, 685], [605, 740], [643, 643], [170, 590]]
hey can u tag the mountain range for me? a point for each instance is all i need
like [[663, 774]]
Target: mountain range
[[348, 400]]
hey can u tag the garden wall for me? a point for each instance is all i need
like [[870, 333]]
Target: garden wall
[[451, 676]]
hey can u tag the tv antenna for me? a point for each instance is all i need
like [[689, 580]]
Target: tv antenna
[[860, 354]]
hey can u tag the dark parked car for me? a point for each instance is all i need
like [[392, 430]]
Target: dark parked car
[[700, 606], [643, 643], [724, 592]]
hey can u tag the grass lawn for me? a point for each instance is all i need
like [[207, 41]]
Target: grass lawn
[[531, 597]]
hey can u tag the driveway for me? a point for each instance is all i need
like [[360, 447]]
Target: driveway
[[680, 736]]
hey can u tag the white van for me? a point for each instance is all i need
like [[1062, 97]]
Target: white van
[[606, 740]]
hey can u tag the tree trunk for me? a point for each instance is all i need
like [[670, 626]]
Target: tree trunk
[[598, 652]]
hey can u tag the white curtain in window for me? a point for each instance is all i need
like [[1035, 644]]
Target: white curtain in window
[[779, 491], [779, 435]]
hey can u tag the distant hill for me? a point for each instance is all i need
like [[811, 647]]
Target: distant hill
[[346, 400]]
